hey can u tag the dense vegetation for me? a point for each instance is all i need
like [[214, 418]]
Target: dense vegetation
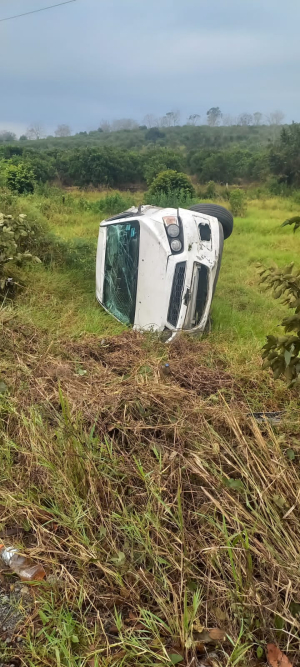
[[133, 158]]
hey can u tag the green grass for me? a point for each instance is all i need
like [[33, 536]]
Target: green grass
[[243, 314], [62, 303]]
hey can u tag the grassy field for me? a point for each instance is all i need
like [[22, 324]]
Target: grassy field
[[243, 314], [166, 518]]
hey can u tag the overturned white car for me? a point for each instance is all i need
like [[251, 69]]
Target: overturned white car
[[157, 268]]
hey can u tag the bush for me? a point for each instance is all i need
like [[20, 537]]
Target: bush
[[172, 199], [154, 134], [237, 200], [172, 181], [211, 190], [78, 254], [20, 178], [282, 353], [112, 204], [161, 161], [15, 243]]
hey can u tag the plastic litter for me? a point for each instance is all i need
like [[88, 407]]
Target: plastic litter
[[271, 417], [22, 565]]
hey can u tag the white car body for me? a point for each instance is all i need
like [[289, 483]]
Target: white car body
[[170, 291]]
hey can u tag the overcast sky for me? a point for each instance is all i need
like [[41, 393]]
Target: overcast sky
[[108, 59]]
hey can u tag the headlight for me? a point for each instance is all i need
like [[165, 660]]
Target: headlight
[[176, 245], [173, 231]]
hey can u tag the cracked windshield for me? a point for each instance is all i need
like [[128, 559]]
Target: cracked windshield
[[121, 268]]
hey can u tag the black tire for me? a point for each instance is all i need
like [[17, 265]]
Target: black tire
[[224, 216], [220, 257]]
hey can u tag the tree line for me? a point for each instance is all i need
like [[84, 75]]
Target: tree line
[[213, 118], [122, 168]]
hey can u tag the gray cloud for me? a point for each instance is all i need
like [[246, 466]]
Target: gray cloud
[[115, 58]]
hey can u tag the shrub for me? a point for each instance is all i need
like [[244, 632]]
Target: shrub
[[161, 161], [211, 190], [15, 242], [172, 199], [77, 254], [237, 200], [112, 203], [169, 181], [154, 134], [20, 178], [282, 353]]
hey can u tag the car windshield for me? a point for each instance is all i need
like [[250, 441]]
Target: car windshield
[[121, 270]]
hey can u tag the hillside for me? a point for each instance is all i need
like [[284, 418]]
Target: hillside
[[267, 155], [186, 136]]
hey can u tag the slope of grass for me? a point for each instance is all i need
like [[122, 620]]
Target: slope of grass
[[243, 314], [159, 508]]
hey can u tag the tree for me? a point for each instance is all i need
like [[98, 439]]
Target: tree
[[23, 137], [194, 119], [35, 131], [150, 120], [173, 117], [63, 131], [154, 134], [228, 119], [164, 121], [20, 178], [257, 118], [162, 160], [284, 157], [245, 119], [214, 116], [276, 117], [124, 124], [105, 126], [5, 135], [170, 181]]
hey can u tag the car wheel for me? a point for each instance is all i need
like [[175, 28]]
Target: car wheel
[[220, 257], [222, 214]]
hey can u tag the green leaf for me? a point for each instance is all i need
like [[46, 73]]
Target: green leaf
[[279, 622], [295, 608], [57, 655], [102, 532], [279, 501], [290, 454], [192, 585], [74, 639], [259, 651], [120, 559], [175, 658], [287, 356], [43, 617], [81, 371], [3, 387], [235, 484]]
